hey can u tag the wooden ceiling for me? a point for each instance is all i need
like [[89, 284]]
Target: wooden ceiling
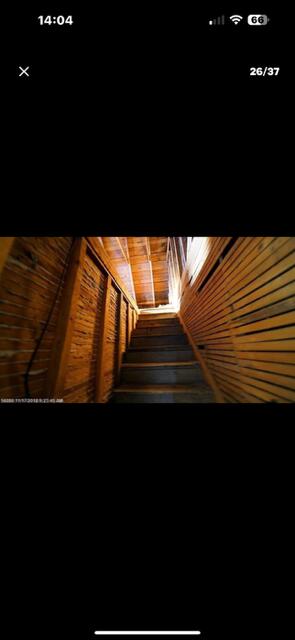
[[142, 264]]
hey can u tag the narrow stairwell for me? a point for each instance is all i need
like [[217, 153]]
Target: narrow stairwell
[[159, 366]]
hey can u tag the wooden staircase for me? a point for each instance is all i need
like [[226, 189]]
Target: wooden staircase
[[159, 366]]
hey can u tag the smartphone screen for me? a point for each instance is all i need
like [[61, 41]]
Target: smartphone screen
[[132, 120]]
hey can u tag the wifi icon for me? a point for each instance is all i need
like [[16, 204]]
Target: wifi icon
[[236, 19]]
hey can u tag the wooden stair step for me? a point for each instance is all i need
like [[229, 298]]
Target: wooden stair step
[[158, 316], [157, 331], [160, 366], [153, 394], [165, 349], [163, 340], [155, 365], [178, 353], [161, 373], [167, 322]]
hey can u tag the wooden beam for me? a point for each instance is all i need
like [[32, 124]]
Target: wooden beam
[[65, 324], [129, 323], [121, 248], [5, 246], [106, 262], [207, 373], [127, 258], [151, 269], [130, 270], [168, 248], [103, 340], [119, 353]]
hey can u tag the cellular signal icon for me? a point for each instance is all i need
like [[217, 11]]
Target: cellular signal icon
[[219, 20]]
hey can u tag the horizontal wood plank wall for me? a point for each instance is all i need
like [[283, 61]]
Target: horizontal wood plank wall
[[238, 303], [80, 382], [28, 286]]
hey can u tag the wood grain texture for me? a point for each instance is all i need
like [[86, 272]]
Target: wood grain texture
[[80, 381], [101, 359], [5, 247], [239, 308], [109, 264], [208, 376], [30, 279], [70, 362], [142, 265], [111, 346], [66, 321]]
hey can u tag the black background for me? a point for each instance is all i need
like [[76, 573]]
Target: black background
[[143, 119], [146, 120], [134, 48]]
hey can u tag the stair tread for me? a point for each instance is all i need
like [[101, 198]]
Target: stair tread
[[158, 321], [160, 367], [159, 347], [184, 363], [169, 388], [161, 334]]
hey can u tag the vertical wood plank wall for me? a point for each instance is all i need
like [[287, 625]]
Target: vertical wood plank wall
[[80, 380], [238, 303], [123, 328], [28, 285], [112, 340]]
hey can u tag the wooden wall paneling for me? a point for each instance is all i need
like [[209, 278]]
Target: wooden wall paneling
[[127, 327], [31, 291], [111, 345], [121, 345], [129, 323], [80, 380], [5, 246], [206, 371], [244, 319], [106, 262], [103, 340], [65, 325]]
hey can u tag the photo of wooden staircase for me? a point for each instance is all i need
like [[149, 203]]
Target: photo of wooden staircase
[[134, 320], [160, 365]]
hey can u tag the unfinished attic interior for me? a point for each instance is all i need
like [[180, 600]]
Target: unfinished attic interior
[[147, 319]]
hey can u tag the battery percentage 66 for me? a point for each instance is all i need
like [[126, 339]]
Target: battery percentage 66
[[257, 19]]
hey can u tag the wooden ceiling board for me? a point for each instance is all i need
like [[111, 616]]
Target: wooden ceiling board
[[142, 265]]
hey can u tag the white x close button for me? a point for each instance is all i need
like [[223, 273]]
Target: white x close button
[[23, 72]]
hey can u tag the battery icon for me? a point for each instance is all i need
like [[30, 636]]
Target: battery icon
[[257, 19]]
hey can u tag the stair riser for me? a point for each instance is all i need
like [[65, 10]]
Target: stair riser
[[157, 331], [160, 398], [161, 376], [158, 323], [150, 341], [159, 356], [158, 316]]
